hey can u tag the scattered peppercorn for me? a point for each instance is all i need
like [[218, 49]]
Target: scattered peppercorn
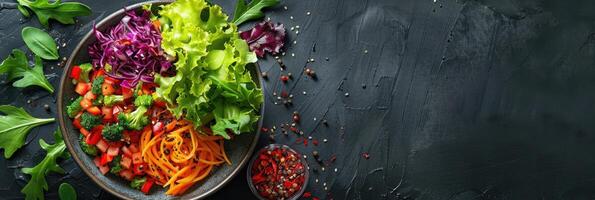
[[366, 155], [296, 118], [264, 75]]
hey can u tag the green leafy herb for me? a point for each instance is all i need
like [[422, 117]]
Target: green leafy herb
[[40, 42], [15, 125], [17, 66], [87, 148], [37, 184], [115, 166], [137, 182], [61, 12], [251, 11], [66, 192]]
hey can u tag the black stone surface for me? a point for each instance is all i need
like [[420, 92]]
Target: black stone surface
[[450, 99]]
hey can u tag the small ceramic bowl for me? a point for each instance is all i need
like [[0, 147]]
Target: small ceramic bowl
[[239, 149], [298, 194]]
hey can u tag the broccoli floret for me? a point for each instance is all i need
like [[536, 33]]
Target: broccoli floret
[[110, 100], [88, 121], [112, 132], [137, 182], [88, 149], [96, 87], [98, 101], [85, 69], [143, 100], [74, 108], [115, 165], [122, 120], [135, 120]]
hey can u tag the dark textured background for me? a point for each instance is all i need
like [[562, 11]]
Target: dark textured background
[[453, 99]]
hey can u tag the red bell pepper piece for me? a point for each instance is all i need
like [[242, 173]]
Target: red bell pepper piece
[[105, 159], [147, 186], [138, 169], [95, 135], [76, 72]]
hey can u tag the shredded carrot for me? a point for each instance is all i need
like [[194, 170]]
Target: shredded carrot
[[181, 156]]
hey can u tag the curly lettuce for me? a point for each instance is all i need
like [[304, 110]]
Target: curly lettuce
[[212, 86]]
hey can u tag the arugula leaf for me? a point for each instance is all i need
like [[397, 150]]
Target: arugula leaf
[[251, 11], [16, 66], [66, 192], [15, 125], [61, 12], [40, 42], [37, 184]]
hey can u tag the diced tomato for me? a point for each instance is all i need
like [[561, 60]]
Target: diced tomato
[[137, 158], [86, 103], [98, 73], [97, 161], [133, 148], [113, 151], [110, 80], [107, 112], [105, 159], [102, 145], [77, 123], [85, 132], [93, 138], [127, 174], [147, 186], [126, 162], [104, 169], [133, 136], [94, 110], [127, 93], [107, 89], [82, 88], [89, 95], [126, 151], [139, 169], [76, 72]]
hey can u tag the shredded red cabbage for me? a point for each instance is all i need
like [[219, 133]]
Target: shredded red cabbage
[[265, 36], [132, 48]]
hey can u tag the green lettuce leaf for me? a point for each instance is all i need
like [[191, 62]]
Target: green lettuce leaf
[[212, 86]]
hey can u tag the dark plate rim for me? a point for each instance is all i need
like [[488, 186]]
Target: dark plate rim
[[65, 80]]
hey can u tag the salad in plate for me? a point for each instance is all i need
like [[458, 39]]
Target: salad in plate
[[163, 91]]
